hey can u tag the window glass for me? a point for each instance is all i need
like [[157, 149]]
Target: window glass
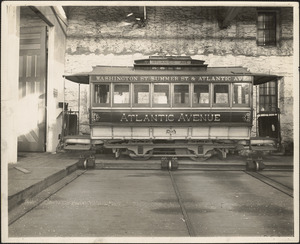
[[241, 93], [221, 95], [181, 94], [161, 94], [201, 94], [266, 28], [268, 97], [121, 94], [101, 94], [141, 94]]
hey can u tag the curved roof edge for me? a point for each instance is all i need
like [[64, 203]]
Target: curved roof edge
[[80, 78], [259, 78], [264, 78]]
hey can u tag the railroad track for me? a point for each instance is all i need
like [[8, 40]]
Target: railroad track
[[271, 182], [265, 179], [186, 218], [30, 205], [183, 164]]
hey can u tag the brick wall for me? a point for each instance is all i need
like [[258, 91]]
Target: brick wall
[[98, 36]]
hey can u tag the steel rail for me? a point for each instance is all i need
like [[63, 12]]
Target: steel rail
[[273, 183], [187, 220]]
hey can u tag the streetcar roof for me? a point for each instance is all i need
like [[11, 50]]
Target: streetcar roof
[[83, 78]]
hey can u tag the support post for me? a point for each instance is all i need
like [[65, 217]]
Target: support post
[[78, 108]]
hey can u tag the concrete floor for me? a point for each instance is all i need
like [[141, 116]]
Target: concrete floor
[[234, 204], [143, 203]]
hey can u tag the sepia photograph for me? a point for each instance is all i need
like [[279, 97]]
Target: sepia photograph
[[149, 122]]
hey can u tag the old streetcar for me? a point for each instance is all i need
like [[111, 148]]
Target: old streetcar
[[170, 106]]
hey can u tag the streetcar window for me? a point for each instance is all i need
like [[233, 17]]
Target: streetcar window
[[161, 94], [121, 94], [141, 94], [201, 94], [221, 94], [241, 93], [181, 95], [101, 94]]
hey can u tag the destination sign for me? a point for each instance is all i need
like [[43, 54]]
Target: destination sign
[[170, 117], [166, 78], [170, 62]]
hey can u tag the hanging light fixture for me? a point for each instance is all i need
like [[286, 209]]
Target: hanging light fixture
[[134, 20]]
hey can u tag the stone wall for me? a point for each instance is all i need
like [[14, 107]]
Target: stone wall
[[99, 36]]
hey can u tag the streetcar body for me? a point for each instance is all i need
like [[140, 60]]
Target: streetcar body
[[171, 105]]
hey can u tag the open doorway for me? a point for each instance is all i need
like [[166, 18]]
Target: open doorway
[[32, 89]]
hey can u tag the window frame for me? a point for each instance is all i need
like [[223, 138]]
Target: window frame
[[113, 95], [249, 99], [213, 95], [276, 29], [133, 96], [94, 104], [179, 105], [157, 105], [198, 105], [269, 96]]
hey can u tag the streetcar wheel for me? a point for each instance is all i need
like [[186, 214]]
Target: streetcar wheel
[[164, 164], [91, 162], [255, 165], [259, 165], [174, 164]]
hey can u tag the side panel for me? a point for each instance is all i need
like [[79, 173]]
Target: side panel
[[169, 120], [159, 117], [171, 125], [170, 133]]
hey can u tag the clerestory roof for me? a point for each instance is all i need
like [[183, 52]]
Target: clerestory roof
[[83, 78]]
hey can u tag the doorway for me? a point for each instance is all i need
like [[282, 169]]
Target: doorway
[[32, 89], [268, 126]]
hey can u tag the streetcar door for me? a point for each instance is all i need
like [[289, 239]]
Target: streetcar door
[[268, 126], [32, 90], [268, 115]]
